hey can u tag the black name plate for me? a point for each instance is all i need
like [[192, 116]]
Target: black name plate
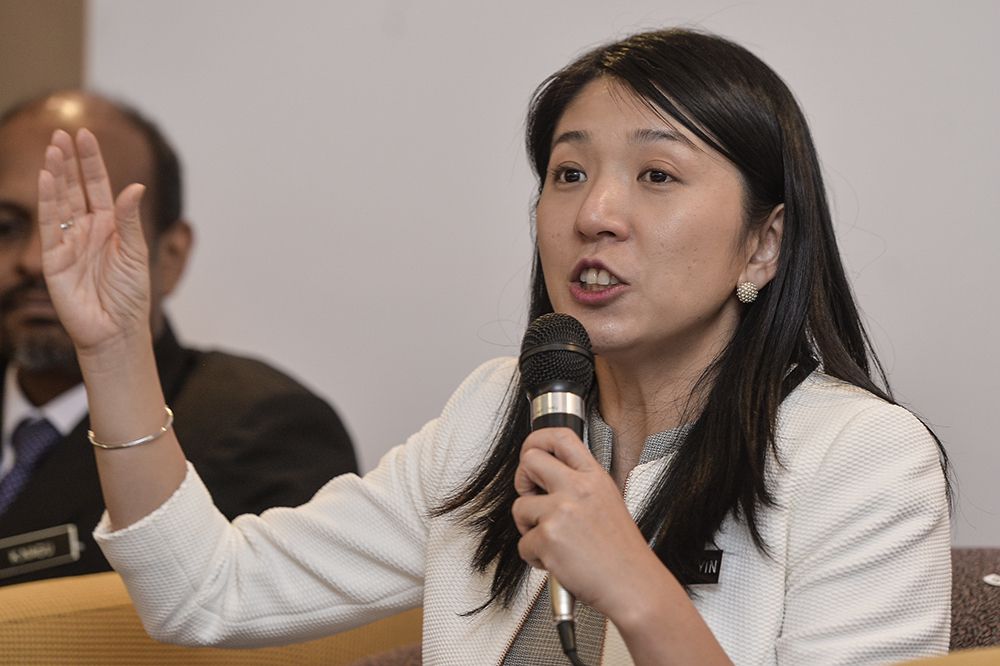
[[38, 550], [709, 566]]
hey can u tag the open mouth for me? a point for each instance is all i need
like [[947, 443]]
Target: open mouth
[[596, 279]]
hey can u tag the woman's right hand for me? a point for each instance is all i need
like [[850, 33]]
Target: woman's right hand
[[574, 523], [96, 267], [94, 256]]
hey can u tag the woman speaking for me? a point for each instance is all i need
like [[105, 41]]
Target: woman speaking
[[746, 491]]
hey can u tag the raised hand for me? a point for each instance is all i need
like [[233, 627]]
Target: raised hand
[[96, 268], [94, 256]]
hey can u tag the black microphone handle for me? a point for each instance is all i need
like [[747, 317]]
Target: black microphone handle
[[560, 410], [559, 420]]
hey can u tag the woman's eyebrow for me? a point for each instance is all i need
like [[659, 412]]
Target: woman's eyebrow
[[660, 134], [572, 136], [645, 135]]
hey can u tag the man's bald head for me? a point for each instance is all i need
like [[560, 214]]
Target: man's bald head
[[134, 149]]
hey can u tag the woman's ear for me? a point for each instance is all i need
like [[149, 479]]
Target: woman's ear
[[765, 247]]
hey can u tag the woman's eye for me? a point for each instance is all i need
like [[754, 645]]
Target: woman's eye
[[655, 176], [567, 175]]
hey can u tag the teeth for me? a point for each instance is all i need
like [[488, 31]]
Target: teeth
[[594, 279]]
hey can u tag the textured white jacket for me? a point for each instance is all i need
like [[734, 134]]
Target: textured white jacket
[[858, 570]]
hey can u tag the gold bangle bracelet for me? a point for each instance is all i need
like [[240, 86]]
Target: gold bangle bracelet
[[135, 442]]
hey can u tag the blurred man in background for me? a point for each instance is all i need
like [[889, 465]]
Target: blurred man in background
[[228, 410]]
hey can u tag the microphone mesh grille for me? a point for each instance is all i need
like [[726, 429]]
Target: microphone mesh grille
[[556, 364]]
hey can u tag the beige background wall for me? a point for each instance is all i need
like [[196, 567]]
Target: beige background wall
[[41, 47]]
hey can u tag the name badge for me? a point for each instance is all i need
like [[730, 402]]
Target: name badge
[[39, 550], [709, 566]]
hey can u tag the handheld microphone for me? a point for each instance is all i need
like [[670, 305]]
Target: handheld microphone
[[557, 368]]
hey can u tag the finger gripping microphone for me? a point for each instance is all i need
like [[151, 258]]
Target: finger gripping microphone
[[557, 368]]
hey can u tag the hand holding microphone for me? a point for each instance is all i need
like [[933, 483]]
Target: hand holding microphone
[[571, 514]]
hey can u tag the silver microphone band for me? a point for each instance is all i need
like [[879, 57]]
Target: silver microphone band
[[557, 403]]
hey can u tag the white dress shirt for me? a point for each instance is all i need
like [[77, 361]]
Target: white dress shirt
[[64, 412]]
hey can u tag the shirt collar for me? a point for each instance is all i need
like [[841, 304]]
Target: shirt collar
[[600, 437], [64, 412]]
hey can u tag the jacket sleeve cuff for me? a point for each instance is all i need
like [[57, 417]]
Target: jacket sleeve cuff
[[140, 552]]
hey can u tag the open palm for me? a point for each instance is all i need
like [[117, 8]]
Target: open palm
[[94, 256]]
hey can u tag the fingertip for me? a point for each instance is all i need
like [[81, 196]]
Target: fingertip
[[53, 158], [62, 141], [127, 203], [46, 184], [133, 194], [86, 142]]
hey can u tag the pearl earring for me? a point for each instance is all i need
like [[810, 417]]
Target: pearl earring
[[746, 292]]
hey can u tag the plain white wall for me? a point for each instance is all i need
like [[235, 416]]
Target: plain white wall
[[357, 181]]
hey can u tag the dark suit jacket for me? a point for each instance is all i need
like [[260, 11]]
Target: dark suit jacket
[[257, 438]]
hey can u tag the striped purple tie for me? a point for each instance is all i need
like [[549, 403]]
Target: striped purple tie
[[31, 440]]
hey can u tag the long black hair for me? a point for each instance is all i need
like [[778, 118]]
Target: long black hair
[[803, 318]]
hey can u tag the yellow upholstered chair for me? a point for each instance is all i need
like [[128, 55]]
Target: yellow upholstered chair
[[90, 620], [979, 657]]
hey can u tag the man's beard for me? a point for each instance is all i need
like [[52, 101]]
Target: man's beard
[[45, 346], [41, 352]]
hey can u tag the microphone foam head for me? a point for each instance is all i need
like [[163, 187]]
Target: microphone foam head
[[556, 348]]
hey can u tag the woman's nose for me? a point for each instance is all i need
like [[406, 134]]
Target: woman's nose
[[605, 210]]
